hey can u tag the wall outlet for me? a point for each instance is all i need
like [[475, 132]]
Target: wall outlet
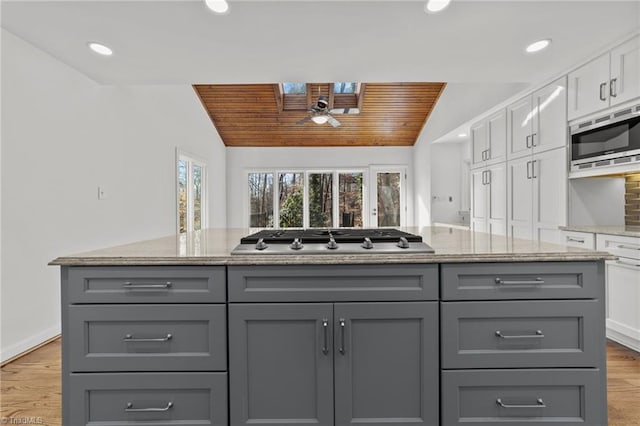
[[102, 193]]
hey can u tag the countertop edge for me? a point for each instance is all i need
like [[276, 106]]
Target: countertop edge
[[328, 260], [600, 230]]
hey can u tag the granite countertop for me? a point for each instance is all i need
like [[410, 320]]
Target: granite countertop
[[213, 247], [627, 231]]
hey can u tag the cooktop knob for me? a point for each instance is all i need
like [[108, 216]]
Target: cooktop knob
[[332, 245], [367, 243], [403, 243], [296, 244], [261, 245]]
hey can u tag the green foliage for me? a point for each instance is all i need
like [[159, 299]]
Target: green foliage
[[291, 210]]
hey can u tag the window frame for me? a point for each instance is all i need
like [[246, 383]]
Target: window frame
[[191, 160]]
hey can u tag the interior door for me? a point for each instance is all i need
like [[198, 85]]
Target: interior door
[[388, 197], [281, 364], [386, 363]]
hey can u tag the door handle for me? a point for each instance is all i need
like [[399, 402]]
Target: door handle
[[528, 170], [130, 408], [488, 153], [613, 87], [484, 177], [533, 169], [130, 286], [342, 326], [528, 143], [130, 338], [325, 342], [602, 94], [533, 139], [575, 240], [537, 281], [538, 335], [488, 177], [539, 404]]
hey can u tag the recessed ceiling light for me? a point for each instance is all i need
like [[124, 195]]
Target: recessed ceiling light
[[435, 6], [462, 135], [217, 6], [100, 48], [537, 46]]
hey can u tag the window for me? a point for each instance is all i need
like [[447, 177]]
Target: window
[[344, 87], [294, 88], [191, 190], [311, 199]]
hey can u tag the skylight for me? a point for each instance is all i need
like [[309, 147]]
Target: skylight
[[344, 87], [294, 88]]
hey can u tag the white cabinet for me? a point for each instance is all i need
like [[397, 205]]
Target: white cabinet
[[584, 240], [488, 140], [608, 80], [537, 196], [489, 199], [538, 122]]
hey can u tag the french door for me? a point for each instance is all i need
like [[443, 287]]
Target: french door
[[387, 199]]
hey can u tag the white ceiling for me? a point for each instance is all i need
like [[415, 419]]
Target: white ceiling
[[475, 45], [178, 42]]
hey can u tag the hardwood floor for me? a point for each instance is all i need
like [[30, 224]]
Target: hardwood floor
[[30, 386]]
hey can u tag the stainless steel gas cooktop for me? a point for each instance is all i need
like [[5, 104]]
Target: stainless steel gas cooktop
[[331, 241]]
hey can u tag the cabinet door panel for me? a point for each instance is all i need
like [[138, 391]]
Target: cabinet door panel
[[520, 118], [278, 371], [388, 373], [549, 194], [623, 302], [550, 117], [520, 199], [625, 71], [584, 88], [497, 137], [478, 143], [497, 188], [479, 200]]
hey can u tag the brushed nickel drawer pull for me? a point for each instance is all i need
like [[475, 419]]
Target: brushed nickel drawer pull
[[130, 285], [539, 404], [538, 280], [325, 343], [624, 246], [342, 326], [130, 408], [130, 338], [575, 240], [538, 335]]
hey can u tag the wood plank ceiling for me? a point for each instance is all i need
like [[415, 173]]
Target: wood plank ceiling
[[392, 114]]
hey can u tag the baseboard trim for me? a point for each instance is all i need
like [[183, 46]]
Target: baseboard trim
[[29, 345]]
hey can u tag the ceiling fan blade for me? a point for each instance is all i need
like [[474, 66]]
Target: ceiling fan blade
[[304, 120], [333, 121], [345, 111]]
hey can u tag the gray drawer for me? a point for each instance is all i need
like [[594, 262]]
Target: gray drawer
[[145, 284], [185, 399], [526, 280], [551, 333], [136, 337], [332, 283], [528, 397]]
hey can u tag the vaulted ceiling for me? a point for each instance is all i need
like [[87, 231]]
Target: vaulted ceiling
[[391, 114]]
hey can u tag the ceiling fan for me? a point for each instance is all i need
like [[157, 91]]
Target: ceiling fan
[[320, 113]]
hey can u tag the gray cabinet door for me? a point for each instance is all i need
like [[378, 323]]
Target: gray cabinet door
[[281, 364], [386, 363]]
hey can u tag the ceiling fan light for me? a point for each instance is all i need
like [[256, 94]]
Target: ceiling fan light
[[319, 119], [217, 6], [435, 6]]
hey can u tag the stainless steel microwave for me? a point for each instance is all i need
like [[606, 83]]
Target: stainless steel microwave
[[608, 140]]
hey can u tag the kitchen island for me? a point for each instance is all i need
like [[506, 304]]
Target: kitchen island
[[487, 330]]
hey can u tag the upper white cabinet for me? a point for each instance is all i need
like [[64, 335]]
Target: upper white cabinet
[[608, 80], [538, 122], [488, 140]]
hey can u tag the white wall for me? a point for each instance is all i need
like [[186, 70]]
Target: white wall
[[596, 201], [62, 136], [446, 182], [240, 160]]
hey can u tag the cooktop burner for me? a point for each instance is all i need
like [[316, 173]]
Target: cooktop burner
[[331, 241]]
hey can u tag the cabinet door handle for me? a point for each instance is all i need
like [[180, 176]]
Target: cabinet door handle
[[623, 246], [533, 139], [488, 177], [538, 335], [131, 286], [488, 153], [130, 409], [528, 170], [613, 88], [539, 404], [342, 326], [602, 94], [130, 338], [537, 281], [575, 240], [325, 342], [533, 169], [528, 141]]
